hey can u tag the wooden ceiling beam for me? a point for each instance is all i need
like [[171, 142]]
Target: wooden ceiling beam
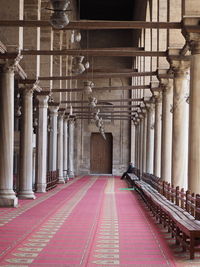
[[98, 76], [94, 24], [106, 112], [103, 101], [87, 52], [100, 52], [106, 106], [90, 118], [134, 87]]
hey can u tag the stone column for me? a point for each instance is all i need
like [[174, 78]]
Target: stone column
[[157, 135], [144, 140], [194, 108], [141, 130], [53, 138], [26, 146], [180, 123], [166, 143], [65, 149], [60, 149], [138, 143], [41, 171], [71, 148], [150, 139], [7, 195], [133, 143]]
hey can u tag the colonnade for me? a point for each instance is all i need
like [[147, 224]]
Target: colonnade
[[53, 153], [174, 155]]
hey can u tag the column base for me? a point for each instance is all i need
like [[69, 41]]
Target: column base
[[61, 180], [41, 188], [71, 175], [8, 202], [8, 198], [26, 195]]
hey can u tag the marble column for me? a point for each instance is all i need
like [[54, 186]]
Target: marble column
[[166, 139], [53, 138], [65, 148], [144, 140], [194, 108], [157, 135], [26, 146], [60, 149], [150, 139], [41, 171], [133, 143], [136, 144], [141, 130], [180, 123], [71, 148], [7, 195]]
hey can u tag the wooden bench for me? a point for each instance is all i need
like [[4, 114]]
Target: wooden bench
[[52, 180], [177, 210], [131, 177]]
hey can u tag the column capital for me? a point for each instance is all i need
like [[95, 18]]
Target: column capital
[[53, 110], [166, 85], [192, 37], [42, 101], [179, 65], [150, 106], [158, 97], [31, 88], [61, 114], [11, 65]]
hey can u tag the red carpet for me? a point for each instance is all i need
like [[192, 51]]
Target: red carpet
[[87, 222]]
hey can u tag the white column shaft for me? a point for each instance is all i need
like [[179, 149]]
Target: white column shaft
[[60, 150], [133, 143], [141, 145], [157, 139], [53, 138], [71, 149], [7, 195], [166, 145], [41, 172], [144, 140], [194, 127], [26, 146], [180, 131], [150, 140], [65, 148]]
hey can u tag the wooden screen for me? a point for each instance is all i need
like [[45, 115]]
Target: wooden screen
[[101, 154]]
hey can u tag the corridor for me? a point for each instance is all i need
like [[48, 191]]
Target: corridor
[[90, 221]]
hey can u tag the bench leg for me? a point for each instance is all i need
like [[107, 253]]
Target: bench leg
[[192, 244], [177, 236]]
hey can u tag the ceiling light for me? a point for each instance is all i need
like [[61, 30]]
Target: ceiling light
[[59, 18], [78, 66]]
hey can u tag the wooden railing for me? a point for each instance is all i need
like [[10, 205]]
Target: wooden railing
[[186, 200], [52, 179]]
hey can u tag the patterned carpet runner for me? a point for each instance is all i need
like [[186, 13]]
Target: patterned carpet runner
[[90, 221]]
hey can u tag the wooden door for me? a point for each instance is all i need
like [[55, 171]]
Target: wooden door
[[101, 153]]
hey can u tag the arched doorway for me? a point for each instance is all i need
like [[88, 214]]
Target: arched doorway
[[101, 154]]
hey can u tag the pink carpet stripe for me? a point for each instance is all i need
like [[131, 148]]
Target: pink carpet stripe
[[22, 226], [141, 243], [89, 223]]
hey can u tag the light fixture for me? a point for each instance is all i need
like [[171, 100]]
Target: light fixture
[[87, 64], [75, 36], [88, 87], [59, 18], [92, 102], [78, 66]]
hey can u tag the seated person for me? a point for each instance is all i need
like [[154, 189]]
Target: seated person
[[129, 170]]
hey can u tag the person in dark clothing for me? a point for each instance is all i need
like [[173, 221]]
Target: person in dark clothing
[[129, 170]]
